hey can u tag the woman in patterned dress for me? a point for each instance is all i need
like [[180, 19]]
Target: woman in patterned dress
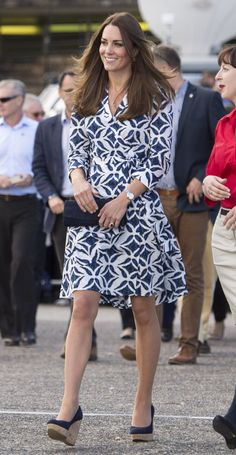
[[119, 148]]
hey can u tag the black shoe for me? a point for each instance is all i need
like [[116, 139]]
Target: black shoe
[[12, 341], [63, 351], [166, 335], [203, 348], [28, 338], [93, 353], [143, 434], [226, 429], [64, 431]]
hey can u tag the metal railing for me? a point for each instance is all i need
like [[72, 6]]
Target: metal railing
[[81, 4]]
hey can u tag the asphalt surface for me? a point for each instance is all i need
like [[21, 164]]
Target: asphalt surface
[[185, 397]]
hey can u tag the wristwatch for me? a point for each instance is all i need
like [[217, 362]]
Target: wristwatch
[[129, 195], [51, 196]]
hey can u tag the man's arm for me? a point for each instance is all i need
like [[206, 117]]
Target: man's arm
[[42, 178]]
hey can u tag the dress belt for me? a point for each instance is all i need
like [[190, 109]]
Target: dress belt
[[172, 192], [224, 211], [10, 197]]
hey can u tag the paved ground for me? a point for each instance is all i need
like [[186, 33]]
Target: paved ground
[[185, 397]]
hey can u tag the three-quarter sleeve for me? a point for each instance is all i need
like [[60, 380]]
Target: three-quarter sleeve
[[160, 136], [79, 145]]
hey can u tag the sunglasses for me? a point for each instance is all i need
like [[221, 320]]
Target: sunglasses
[[8, 98], [38, 114]]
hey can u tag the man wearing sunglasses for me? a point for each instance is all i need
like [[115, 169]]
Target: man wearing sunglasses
[[18, 216]]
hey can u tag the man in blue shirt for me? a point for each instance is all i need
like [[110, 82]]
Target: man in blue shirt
[[18, 216]]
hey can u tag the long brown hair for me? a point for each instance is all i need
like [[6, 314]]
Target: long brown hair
[[146, 83]]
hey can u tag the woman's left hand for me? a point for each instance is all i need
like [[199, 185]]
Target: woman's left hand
[[112, 213], [214, 188], [230, 219]]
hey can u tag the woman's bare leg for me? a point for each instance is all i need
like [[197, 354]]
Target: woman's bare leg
[[78, 346], [147, 355]]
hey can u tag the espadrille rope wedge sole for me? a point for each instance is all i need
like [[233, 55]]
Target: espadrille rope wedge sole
[[64, 431], [143, 434]]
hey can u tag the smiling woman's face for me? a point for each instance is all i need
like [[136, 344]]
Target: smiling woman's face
[[113, 52]]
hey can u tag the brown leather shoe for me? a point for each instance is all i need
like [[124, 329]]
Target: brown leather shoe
[[185, 355], [128, 352]]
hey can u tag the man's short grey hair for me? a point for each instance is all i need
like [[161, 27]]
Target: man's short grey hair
[[18, 86], [29, 97]]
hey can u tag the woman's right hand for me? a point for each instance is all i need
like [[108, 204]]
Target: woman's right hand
[[84, 195], [214, 188]]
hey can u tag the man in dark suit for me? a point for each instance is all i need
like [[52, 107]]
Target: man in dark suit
[[196, 113], [50, 170], [50, 165]]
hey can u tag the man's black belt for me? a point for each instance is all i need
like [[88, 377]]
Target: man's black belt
[[10, 197]]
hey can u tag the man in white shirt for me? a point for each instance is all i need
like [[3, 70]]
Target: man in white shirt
[[18, 216]]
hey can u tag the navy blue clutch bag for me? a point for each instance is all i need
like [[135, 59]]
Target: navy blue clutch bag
[[75, 217]]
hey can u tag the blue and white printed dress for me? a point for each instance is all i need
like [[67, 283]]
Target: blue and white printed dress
[[142, 257]]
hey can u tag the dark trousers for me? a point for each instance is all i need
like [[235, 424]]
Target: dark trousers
[[39, 262], [18, 226], [168, 315], [127, 318], [59, 239], [220, 305]]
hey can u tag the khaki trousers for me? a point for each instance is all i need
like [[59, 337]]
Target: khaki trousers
[[210, 277], [224, 257], [190, 230]]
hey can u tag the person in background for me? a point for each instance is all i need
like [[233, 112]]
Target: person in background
[[19, 217], [33, 107], [213, 293], [220, 308], [196, 113], [181, 195], [219, 185], [50, 165], [214, 298], [207, 79], [119, 149], [128, 324], [51, 172]]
